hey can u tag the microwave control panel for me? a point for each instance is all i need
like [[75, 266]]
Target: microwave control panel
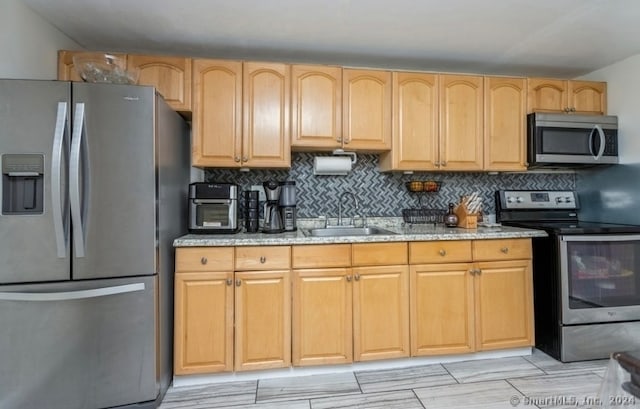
[[539, 199]]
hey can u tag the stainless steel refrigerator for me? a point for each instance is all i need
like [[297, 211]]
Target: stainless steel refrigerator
[[94, 187]]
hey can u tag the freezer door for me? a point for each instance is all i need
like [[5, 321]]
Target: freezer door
[[34, 140], [112, 181], [78, 345]]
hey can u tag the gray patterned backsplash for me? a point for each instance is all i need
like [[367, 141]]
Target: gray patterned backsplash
[[385, 194]]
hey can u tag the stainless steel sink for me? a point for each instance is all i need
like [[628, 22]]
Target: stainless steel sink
[[346, 231]]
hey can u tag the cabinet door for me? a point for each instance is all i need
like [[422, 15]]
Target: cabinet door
[[203, 322], [461, 122], [504, 304], [442, 309], [217, 118], [366, 110], [316, 107], [170, 75], [322, 317], [588, 97], [547, 95], [262, 320], [505, 102], [266, 141], [415, 123], [380, 312]]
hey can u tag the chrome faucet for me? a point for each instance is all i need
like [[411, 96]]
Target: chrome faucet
[[356, 207]]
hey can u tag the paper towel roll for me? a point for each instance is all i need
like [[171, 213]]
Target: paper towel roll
[[331, 165]]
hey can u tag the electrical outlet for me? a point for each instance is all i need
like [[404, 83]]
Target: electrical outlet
[[261, 195]]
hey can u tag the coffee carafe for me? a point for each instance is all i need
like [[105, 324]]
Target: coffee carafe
[[288, 205], [272, 219]]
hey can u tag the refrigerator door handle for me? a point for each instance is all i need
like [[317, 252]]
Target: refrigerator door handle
[[72, 295], [74, 181], [56, 182]]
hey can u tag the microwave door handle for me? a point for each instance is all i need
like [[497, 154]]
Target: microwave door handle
[[603, 140]]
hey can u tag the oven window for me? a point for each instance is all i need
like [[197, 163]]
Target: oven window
[[603, 273], [212, 215]]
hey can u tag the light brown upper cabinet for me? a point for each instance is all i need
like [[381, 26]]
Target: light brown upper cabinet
[[316, 107], [170, 75], [366, 111], [415, 123], [461, 122], [579, 97], [241, 115], [505, 102]]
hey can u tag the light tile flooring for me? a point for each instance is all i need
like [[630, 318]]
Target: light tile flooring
[[535, 381]]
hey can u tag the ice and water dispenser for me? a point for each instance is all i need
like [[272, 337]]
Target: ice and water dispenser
[[22, 184]]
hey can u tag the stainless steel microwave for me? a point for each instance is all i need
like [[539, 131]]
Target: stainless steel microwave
[[571, 141]]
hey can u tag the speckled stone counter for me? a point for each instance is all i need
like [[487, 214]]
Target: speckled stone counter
[[403, 232]]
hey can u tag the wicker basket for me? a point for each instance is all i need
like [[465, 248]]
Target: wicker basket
[[423, 216]]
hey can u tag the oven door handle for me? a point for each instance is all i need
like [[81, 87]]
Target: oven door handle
[[601, 237]]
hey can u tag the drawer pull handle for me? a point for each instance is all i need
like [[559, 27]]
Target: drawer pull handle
[[203, 260], [238, 283], [442, 253], [229, 281], [263, 259], [349, 278], [357, 277], [505, 250]]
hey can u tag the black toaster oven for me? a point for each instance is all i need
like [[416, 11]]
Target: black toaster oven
[[213, 208]]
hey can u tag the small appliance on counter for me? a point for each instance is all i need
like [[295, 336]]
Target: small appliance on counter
[[272, 218], [251, 211], [213, 208], [288, 205]]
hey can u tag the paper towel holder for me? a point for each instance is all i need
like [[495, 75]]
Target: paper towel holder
[[324, 165]]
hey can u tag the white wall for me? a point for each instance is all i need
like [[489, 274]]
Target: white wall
[[623, 89], [28, 43]]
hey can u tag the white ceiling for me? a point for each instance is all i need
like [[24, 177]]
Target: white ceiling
[[559, 38]]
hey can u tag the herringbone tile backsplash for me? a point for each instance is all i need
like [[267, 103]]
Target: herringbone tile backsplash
[[385, 194]]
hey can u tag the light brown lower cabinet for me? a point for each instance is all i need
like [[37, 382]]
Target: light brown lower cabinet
[[473, 306], [227, 321], [343, 314]]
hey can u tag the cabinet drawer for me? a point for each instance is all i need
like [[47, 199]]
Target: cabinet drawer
[[321, 256], [508, 249], [263, 258], [204, 259], [379, 254], [439, 252]]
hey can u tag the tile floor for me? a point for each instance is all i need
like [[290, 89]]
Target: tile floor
[[534, 381]]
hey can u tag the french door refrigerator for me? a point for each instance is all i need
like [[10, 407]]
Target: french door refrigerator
[[94, 187]]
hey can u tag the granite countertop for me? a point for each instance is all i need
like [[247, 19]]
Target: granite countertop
[[403, 232]]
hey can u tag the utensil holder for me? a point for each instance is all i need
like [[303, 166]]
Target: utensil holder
[[466, 220]]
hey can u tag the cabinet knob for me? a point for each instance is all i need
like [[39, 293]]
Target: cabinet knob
[[348, 278], [339, 139], [203, 260], [238, 282], [472, 271], [443, 163], [478, 271], [442, 252], [229, 281], [357, 277], [263, 260], [505, 250], [245, 159], [436, 163], [573, 109], [236, 158]]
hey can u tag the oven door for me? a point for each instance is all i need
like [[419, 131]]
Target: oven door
[[600, 278]]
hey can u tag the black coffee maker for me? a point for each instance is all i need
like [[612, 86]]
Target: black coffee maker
[[272, 217]]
